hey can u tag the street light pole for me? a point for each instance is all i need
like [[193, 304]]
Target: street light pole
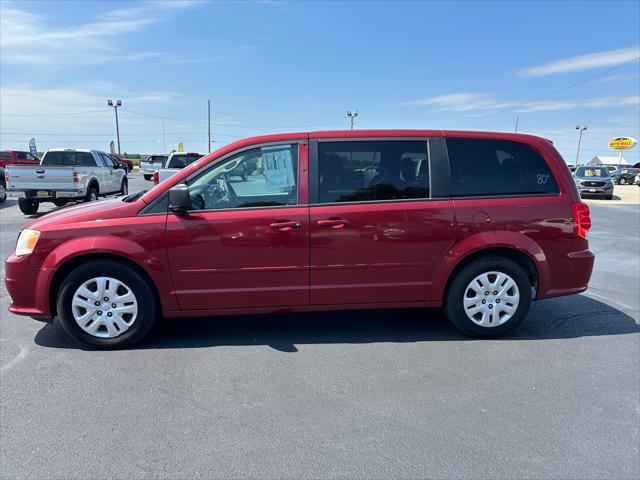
[[581, 129], [115, 107], [352, 116], [209, 117]]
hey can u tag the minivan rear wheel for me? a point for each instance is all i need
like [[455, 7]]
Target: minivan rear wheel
[[488, 297], [106, 304]]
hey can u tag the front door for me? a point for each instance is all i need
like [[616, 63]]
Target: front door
[[245, 243], [376, 231]]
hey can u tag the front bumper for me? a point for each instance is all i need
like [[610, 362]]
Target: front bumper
[[27, 287]]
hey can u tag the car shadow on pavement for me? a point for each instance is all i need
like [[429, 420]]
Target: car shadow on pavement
[[568, 317]]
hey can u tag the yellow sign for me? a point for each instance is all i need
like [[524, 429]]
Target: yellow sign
[[622, 143], [180, 147]]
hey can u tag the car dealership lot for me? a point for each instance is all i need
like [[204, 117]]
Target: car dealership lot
[[396, 393]]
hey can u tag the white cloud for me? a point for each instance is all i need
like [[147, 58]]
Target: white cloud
[[460, 102], [93, 42], [469, 102], [582, 62]]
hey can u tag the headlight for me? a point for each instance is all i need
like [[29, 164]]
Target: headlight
[[27, 242]]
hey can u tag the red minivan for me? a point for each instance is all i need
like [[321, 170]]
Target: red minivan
[[478, 223]]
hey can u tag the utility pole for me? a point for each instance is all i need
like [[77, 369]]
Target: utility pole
[[115, 107], [516, 124], [352, 116], [164, 139], [209, 117], [581, 129]]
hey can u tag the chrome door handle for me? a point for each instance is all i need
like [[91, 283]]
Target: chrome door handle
[[285, 225], [333, 223]]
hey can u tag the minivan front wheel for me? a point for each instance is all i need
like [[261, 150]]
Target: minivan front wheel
[[488, 297], [106, 304]]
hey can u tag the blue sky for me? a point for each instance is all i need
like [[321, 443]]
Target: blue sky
[[271, 66]]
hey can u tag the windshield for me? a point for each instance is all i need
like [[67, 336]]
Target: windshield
[[592, 172], [182, 160]]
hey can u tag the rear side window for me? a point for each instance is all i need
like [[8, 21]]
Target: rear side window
[[21, 155], [497, 167], [5, 155], [360, 171]]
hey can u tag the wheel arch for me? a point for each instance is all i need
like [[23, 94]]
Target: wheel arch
[[93, 182], [512, 245], [73, 262]]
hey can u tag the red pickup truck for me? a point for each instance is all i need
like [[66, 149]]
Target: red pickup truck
[[17, 157], [478, 223]]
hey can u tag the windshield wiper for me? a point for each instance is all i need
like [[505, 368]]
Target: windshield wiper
[[135, 196]]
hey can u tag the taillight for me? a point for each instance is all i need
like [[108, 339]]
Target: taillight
[[156, 178], [76, 177], [6, 177], [581, 219]]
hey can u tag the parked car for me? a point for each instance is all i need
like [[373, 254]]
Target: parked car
[[17, 157], [623, 176], [3, 186], [176, 162], [594, 181], [494, 222], [65, 175], [151, 164], [124, 162]]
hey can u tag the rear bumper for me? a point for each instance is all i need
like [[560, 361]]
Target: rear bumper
[[27, 287], [51, 194], [571, 275]]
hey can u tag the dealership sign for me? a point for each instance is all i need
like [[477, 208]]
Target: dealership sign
[[622, 143]]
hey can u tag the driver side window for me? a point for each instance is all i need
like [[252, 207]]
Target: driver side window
[[260, 177]]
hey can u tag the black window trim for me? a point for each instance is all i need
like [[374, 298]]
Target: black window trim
[[435, 156], [161, 198]]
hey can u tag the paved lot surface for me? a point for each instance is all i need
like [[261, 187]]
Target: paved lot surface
[[359, 394]]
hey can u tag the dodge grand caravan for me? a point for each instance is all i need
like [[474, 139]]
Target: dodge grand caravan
[[480, 224]]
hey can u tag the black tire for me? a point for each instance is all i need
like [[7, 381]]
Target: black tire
[[59, 202], [28, 206], [454, 303], [609, 197], [92, 193], [124, 187], [3, 192], [147, 308], [148, 177], [622, 181]]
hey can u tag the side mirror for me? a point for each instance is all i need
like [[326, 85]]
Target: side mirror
[[179, 198]]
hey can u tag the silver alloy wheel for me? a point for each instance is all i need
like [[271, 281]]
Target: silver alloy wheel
[[104, 307], [491, 299], [3, 191], [93, 196]]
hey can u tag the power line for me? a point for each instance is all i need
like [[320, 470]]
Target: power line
[[547, 95]]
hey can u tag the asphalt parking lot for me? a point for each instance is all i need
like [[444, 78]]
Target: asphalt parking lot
[[394, 393]]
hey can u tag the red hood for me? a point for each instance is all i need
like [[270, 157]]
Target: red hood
[[101, 210]]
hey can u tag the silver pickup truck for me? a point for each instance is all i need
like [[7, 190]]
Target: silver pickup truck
[[151, 164], [65, 175], [176, 162]]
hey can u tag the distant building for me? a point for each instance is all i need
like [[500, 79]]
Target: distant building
[[607, 160]]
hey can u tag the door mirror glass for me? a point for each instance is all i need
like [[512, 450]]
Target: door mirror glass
[[179, 198]]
